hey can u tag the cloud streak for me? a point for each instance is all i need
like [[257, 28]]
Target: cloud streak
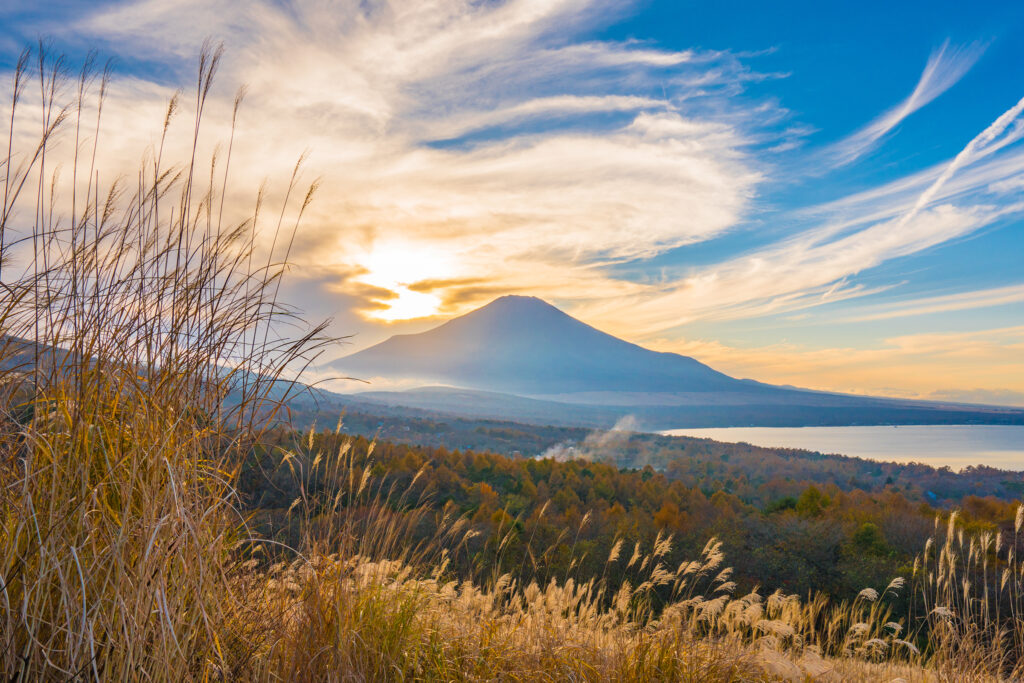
[[945, 67], [984, 298], [814, 268]]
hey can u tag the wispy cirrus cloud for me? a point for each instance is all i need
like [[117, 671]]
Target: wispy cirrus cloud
[[799, 274], [482, 139], [947, 65], [815, 266], [961, 301]]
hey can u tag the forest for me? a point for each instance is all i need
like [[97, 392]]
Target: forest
[[787, 519]]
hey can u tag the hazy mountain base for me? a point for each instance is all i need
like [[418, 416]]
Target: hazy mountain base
[[810, 410]]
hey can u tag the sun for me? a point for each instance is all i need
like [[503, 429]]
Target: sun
[[397, 268]]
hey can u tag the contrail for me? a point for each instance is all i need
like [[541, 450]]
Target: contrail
[[994, 130]]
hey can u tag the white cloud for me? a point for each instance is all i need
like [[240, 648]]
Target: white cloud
[[815, 266], [575, 152], [945, 67], [800, 273]]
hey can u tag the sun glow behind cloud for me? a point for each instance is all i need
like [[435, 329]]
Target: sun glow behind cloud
[[408, 305], [493, 132], [395, 267]]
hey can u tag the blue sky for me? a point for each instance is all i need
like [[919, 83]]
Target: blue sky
[[823, 194], [841, 68], [833, 69]]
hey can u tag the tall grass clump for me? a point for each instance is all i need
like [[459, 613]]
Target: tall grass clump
[[140, 356], [970, 589]]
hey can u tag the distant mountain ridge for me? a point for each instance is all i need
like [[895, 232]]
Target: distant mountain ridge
[[521, 358]]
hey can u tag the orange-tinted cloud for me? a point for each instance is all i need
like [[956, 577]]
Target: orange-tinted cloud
[[948, 366]]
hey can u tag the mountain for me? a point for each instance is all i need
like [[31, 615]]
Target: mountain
[[523, 345], [521, 358]]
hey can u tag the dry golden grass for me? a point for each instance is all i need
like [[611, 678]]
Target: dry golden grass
[[125, 324], [347, 610], [140, 362]]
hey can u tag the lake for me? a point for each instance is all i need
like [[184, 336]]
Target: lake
[[957, 446]]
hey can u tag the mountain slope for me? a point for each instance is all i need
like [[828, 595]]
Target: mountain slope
[[523, 345]]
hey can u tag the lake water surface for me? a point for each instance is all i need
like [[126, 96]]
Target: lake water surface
[[937, 445]]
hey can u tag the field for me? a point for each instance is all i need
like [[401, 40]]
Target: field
[[157, 521]]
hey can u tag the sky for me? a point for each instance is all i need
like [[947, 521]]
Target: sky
[[828, 195]]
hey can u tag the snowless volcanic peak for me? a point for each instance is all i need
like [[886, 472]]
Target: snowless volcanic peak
[[522, 344]]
